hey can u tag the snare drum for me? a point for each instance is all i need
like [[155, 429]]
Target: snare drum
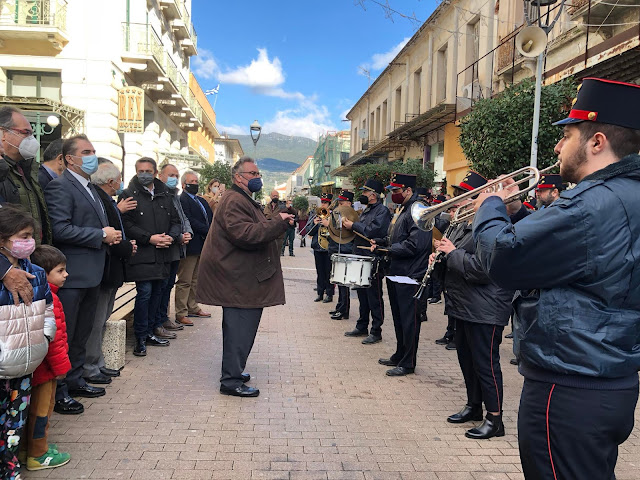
[[351, 270]]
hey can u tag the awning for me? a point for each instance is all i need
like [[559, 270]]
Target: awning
[[327, 184], [425, 123]]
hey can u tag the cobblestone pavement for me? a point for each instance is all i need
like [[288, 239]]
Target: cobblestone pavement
[[326, 409]]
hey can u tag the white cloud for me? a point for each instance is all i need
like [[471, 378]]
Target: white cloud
[[233, 129], [204, 65], [260, 73], [379, 61], [307, 121]]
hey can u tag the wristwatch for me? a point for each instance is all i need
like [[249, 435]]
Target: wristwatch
[[104, 234]]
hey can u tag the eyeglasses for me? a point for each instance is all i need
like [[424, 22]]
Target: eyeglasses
[[25, 132], [253, 174]]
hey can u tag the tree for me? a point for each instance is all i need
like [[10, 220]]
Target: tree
[[219, 170], [382, 172], [496, 135], [315, 191], [300, 203]]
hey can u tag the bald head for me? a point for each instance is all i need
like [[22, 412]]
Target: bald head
[[274, 194]]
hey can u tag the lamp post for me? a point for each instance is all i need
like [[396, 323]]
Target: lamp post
[[40, 129], [255, 129], [327, 169]]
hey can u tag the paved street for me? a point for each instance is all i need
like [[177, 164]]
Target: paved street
[[326, 409]]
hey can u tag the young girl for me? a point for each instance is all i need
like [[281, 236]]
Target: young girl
[[25, 333]]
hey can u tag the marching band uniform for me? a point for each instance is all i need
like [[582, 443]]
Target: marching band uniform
[[481, 309], [323, 262], [344, 300], [374, 223], [577, 336], [409, 249]]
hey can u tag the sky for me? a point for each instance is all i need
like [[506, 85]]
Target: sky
[[296, 66]]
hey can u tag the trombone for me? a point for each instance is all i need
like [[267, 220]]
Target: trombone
[[425, 216]]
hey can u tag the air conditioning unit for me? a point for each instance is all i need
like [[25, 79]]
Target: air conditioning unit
[[472, 90]]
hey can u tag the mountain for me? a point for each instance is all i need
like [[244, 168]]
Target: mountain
[[274, 165], [281, 147]]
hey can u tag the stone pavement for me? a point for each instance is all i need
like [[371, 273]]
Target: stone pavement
[[326, 409]]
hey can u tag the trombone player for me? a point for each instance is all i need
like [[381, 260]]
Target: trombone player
[[578, 262], [321, 255]]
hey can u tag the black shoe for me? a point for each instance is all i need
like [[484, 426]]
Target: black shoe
[[491, 427], [388, 362], [514, 361], [141, 348], [371, 339], [467, 414], [245, 377], [443, 341], [451, 345], [87, 391], [318, 298], [333, 312], [328, 299], [68, 406], [399, 372], [154, 341], [509, 335], [241, 391], [100, 379], [356, 333], [435, 300], [340, 316], [109, 372], [291, 255]]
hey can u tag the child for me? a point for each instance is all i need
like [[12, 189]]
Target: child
[[25, 333], [40, 454]]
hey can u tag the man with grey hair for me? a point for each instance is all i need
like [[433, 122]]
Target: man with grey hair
[[52, 164], [241, 272], [200, 216], [108, 181]]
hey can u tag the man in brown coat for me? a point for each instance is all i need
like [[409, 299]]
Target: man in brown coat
[[240, 271]]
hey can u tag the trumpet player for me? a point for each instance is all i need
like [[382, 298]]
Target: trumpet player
[[408, 248], [480, 309], [341, 311], [321, 255], [374, 223], [578, 339]]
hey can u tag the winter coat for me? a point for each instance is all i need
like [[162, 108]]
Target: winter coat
[[44, 177], [117, 254], [199, 223], [28, 193], [26, 330], [582, 254], [57, 361], [153, 215], [240, 261], [184, 221], [469, 293], [374, 223]]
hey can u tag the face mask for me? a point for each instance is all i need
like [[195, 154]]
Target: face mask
[[255, 185], [172, 182], [121, 189], [145, 178], [89, 164], [22, 248], [191, 188], [274, 200], [397, 198], [28, 147], [363, 199], [214, 190]]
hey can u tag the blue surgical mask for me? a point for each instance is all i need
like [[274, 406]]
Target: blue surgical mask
[[89, 164], [121, 189], [172, 182], [255, 185]]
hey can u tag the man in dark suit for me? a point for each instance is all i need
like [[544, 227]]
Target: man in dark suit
[[52, 163], [200, 217], [82, 233]]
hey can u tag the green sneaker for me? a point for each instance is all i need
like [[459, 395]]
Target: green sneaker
[[51, 459]]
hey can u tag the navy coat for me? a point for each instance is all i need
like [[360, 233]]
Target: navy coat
[[199, 223], [374, 223], [583, 256]]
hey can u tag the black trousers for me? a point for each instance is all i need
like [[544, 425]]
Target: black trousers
[[323, 271], [451, 328], [79, 305], [407, 318], [371, 303], [239, 328], [478, 348], [567, 433], [344, 300], [434, 289], [289, 237]]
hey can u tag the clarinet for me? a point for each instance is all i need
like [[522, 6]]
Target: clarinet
[[439, 256]]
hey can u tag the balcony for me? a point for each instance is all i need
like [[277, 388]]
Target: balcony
[[34, 20], [182, 28], [142, 48], [170, 8]]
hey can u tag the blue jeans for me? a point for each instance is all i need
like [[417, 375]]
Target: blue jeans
[[163, 309], [145, 311]]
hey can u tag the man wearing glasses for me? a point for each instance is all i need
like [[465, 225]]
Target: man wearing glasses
[[240, 271]]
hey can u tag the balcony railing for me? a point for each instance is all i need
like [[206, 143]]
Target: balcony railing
[[186, 17], [32, 13], [141, 39]]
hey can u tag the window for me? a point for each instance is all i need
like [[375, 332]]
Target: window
[[397, 105], [385, 126], [34, 84], [417, 90], [441, 74]]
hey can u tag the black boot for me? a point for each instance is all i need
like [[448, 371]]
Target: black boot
[[319, 298], [141, 347], [468, 413], [491, 427]]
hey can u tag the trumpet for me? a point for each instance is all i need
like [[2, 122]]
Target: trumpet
[[425, 216]]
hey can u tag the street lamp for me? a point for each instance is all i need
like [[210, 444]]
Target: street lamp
[[310, 181], [255, 130], [327, 169]]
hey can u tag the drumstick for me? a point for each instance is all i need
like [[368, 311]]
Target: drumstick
[[361, 236], [369, 248]]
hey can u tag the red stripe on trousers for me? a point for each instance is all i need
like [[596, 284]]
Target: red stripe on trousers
[[553, 468], [495, 382]]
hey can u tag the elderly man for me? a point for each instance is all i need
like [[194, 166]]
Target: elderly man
[[108, 181], [548, 190], [240, 270], [200, 216], [82, 232], [52, 163]]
